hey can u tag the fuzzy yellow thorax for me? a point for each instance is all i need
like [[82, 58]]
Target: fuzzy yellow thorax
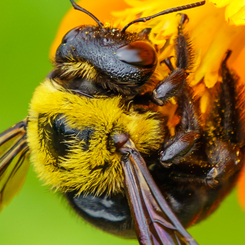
[[94, 168]]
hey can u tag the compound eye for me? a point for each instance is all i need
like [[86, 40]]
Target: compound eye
[[138, 53], [71, 35]]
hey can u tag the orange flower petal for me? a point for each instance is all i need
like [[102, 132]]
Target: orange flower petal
[[75, 18], [238, 65]]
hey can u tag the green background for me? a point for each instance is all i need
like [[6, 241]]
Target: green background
[[37, 216]]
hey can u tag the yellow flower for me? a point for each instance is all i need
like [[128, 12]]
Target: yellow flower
[[213, 29], [234, 12]]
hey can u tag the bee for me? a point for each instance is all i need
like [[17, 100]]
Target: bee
[[96, 136]]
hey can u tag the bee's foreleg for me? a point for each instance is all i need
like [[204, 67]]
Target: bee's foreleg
[[188, 133]]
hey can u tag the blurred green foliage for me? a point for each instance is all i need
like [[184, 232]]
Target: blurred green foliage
[[37, 216]]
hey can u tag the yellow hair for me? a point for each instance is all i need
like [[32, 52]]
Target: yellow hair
[[98, 168]]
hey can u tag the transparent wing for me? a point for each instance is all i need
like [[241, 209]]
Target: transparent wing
[[154, 221], [14, 162]]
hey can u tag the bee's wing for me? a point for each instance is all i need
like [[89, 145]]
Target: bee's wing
[[14, 162], [154, 221]]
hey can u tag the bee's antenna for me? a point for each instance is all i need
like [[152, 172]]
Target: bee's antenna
[[167, 11], [76, 6]]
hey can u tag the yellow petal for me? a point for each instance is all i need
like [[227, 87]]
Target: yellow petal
[[235, 10]]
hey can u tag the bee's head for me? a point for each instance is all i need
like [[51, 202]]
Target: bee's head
[[101, 60], [112, 59]]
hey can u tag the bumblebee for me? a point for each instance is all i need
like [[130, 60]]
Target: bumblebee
[[96, 133]]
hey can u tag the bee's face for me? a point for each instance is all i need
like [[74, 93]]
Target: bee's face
[[95, 53]]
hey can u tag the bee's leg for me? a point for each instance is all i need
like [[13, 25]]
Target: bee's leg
[[188, 132], [145, 33], [222, 136], [169, 87], [168, 63], [228, 160], [166, 89], [182, 46], [173, 84]]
